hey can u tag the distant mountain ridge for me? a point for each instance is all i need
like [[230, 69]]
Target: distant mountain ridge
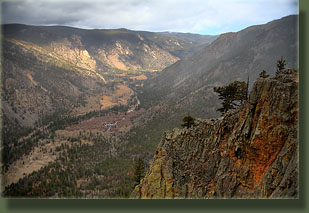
[[187, 85], [63, 64], [107, 49]]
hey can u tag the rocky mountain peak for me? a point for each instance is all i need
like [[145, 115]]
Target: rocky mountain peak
[[249, 152]]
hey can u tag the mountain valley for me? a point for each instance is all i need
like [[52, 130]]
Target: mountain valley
[[80, 107]]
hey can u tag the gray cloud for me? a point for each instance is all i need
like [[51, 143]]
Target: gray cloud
[[41, 13], [154, 15]]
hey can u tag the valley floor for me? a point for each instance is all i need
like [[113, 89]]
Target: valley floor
[[104, 124]]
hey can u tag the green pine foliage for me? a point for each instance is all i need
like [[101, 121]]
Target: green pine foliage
[[280, 65], [139, 171], [232, 95]]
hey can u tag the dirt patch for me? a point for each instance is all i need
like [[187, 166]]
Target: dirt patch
[[121, 122], [121, 75], [139, 77]]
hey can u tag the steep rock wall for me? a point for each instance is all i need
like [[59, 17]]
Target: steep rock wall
[[250, 152]]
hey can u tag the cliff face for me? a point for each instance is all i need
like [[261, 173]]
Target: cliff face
[[250, 152]]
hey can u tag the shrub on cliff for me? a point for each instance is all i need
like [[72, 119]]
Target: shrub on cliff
[[188, 121], [263, 74]]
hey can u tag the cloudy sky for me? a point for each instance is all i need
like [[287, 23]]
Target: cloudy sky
[[195, 16]]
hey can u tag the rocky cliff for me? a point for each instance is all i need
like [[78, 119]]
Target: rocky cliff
[[250, 152]]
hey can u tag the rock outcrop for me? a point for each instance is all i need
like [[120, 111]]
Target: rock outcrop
[[250, 152]]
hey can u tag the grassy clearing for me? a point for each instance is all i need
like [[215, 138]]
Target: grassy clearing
[[119, 97]]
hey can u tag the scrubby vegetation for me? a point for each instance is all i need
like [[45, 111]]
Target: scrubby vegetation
[[188, 121], [80, 171]]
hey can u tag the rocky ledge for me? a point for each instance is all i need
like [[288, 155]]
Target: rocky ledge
[[250, 152]]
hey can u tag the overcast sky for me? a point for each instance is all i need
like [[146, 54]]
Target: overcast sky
[[195, 16]]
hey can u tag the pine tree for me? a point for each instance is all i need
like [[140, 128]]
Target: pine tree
[[280, 65], [232, 95], [139, 171]]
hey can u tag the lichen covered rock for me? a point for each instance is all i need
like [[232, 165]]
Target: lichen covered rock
[[250, 152]]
